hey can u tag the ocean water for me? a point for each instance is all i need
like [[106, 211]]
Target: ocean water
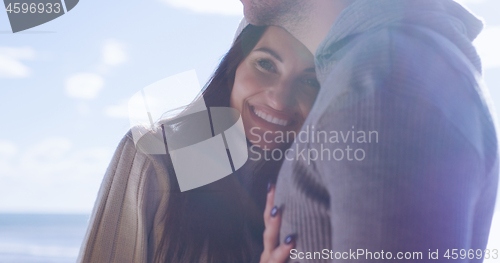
[[41, 238]]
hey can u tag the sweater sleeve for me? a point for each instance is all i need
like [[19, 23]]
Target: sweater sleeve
[[414, 185], [125, 222], [410, 165]]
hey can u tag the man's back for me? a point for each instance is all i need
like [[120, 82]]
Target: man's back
[[401, 154]]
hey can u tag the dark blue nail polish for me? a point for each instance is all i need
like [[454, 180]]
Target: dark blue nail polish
[[269, 187], [289, 239], [274, 211]]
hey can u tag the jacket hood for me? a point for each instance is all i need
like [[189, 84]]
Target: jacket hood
[[446, 17]]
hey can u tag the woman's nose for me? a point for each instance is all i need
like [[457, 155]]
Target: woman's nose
[[281, 95]]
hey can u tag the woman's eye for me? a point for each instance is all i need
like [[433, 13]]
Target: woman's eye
[[266, 65], [313, 82]]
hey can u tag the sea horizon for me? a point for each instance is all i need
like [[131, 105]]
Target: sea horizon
[[41, 237]]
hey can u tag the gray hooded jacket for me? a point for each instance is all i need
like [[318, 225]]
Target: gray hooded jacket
[[401, 152]]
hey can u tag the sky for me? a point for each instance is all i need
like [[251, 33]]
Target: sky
[[65, 84]]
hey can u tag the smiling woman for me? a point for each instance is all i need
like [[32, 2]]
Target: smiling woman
[[142, 216], [275, 86]]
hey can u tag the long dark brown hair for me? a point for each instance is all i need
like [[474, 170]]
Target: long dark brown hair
[[224, 217]]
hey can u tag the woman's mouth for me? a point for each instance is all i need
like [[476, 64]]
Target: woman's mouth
[[270, 118]]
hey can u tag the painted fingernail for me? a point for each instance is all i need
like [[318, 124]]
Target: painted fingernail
[[289, 239], [269, 187], [274, 211]]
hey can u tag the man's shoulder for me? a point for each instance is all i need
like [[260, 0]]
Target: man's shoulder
[[407, 66], [402, 58], [394, 48]]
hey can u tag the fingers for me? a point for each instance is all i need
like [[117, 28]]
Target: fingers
[[272, 218], [269, 203], [282, 253], [272, 221], [271, 233]]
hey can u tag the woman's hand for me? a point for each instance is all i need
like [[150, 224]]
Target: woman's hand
[[272, 218]]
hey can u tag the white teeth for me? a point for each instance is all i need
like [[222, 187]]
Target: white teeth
[[270, 118]]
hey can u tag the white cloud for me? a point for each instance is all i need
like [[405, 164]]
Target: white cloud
[[51, 176], [119, 111], [88, 85], [133, 108], [56, 157], [113, 53], [10, 62], [488, 47], [220, 7], [84, 85], [40, 159], [8, 150]]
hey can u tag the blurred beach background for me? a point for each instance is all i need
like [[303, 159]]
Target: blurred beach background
[[63, 104]]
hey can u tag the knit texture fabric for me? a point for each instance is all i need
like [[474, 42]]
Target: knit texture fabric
[[127, 219], [403, 157]]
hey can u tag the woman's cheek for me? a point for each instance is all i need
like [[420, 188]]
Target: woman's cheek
[[253, 82]]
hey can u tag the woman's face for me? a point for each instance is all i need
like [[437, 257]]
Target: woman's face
[[275, 88]]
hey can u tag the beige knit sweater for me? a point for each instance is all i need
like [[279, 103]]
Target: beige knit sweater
[[126, 222]]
